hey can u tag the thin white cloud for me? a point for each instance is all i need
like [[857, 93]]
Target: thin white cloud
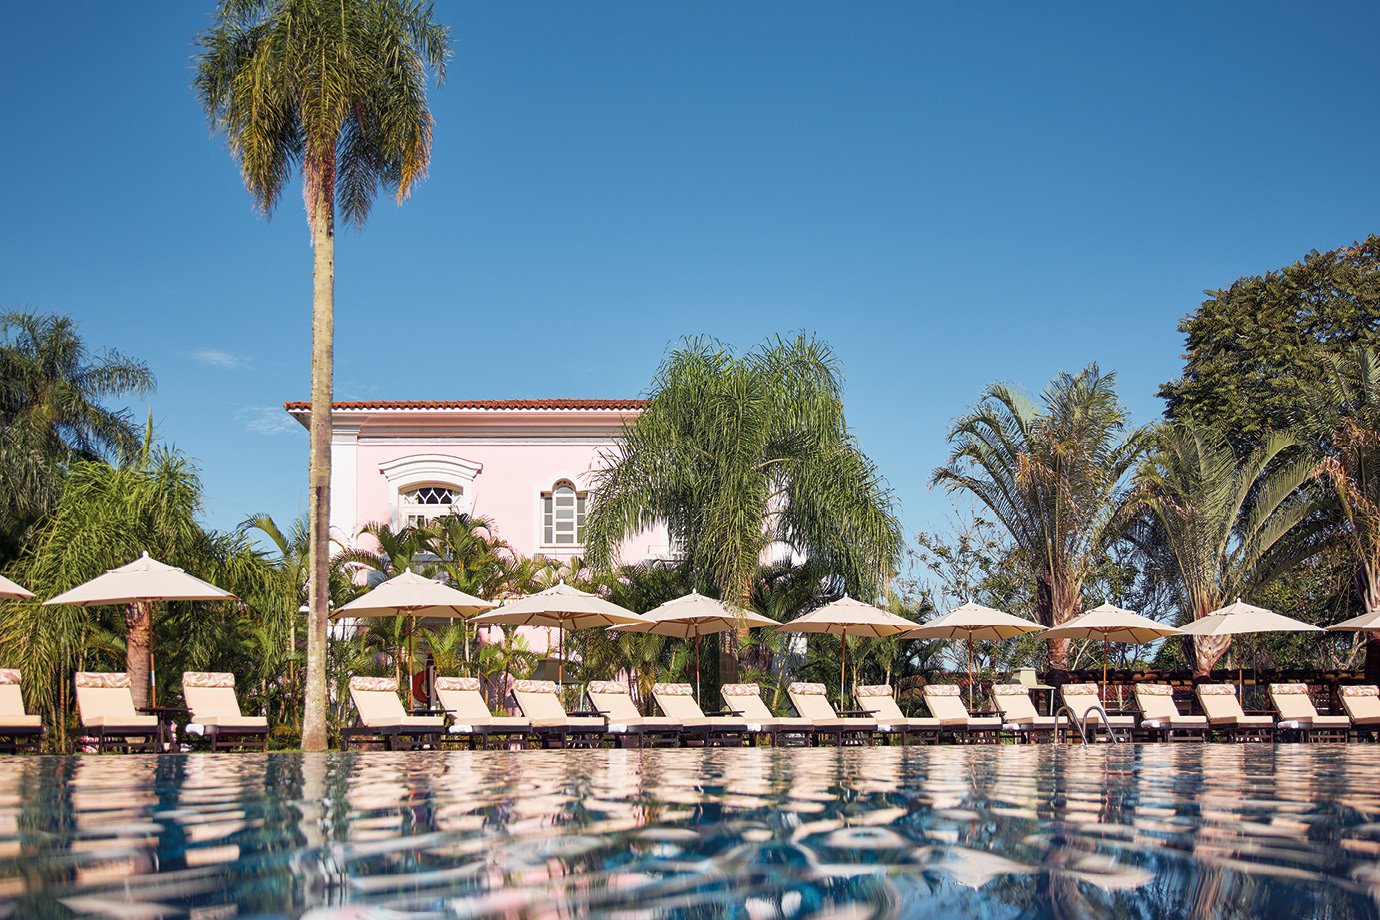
[[270, 420], [215, 357]]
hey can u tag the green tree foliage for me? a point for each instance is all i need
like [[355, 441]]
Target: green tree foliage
[[1219, 527], [1250, 345], [735, 453], [106, 516], [53, 412], [337, 88], [1054, 476]]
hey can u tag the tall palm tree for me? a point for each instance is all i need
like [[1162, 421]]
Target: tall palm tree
[[1344, 418], [741, 455], [1054, 475], [339, 89], [52, 411], [1218, 525]]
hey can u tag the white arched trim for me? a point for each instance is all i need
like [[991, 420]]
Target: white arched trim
[[406, 473]]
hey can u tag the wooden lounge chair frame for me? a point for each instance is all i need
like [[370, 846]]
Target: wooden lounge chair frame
[[105, 707], [630, 728], [1161, 718], [945, 703], [1020, 721], [1299, 718], [1225, 715], [210, 696], [540, 701], [19, 731], [722, 729], [879, 701], [1362, 705], [811, 701], [745, 700], [472, 725], [382, 720], [1083, 701]]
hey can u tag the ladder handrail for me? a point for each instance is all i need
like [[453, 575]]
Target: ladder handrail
[[1073, 717], [1106, 721]]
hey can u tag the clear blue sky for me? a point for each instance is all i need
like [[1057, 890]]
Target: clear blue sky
[[948, 193]]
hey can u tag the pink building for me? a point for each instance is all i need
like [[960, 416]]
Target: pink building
[[525, 463]]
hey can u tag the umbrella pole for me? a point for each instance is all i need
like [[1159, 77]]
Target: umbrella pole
[[698, 689], [1104, 667], [153, 675], [411, 661], [970, 670], [560, 659], [843, 663]]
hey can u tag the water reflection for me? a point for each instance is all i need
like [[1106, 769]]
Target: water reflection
[[1140, 831]]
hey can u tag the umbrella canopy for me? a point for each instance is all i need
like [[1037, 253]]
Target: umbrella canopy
[[144, 579], [1111, 624], [561, 607], [11, 590], [1366, 622], [695, 615], [414, 595], [846, 617], [974, 621], [1241, 618]]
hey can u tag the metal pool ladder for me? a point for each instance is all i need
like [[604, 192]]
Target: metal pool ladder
[[1081, 724]]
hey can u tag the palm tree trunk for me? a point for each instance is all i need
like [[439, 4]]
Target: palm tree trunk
[[1371, 597], [138, 642], [1045, 609], [319, 501]]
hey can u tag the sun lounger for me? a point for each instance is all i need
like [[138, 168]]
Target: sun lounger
[[1159, 717], [540, 701], [945, 702], [471, 722], [1224, 714], [215, 711], [746, 700], [1084, 701], [105, 706], [677, 701], [18, 729], [811, 701], [879, 701], [1300, 717], [614, 699], [1362, 704], [382, 717], [1018, 715]]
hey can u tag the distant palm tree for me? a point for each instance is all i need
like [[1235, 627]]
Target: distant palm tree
[[1220, 526], [52, 412], [1054, 476], [1344, 417], [339, 89], [741, 455]]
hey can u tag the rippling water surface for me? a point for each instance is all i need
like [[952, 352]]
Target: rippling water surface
[[1133, 831]]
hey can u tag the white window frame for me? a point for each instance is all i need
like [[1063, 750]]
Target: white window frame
[[406, 474], [426, 512], [547, 534]]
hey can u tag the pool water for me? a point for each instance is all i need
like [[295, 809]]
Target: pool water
[[1183, 830]]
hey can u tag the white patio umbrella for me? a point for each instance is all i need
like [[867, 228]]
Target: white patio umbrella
[[1366, 622], [561, 607], [1111, 623], [9, 589], [141, 583], [848, 617], [974, 621], [695, 615], [1240, 619], [413, 596]]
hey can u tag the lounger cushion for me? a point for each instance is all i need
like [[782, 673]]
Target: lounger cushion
[[235, 721], [1038, 723], [1174, 722], [17, 721], [120, 721], [575, 723]]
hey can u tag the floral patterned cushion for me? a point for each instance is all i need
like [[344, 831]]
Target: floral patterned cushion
[[1361, 691], [101, 679], [457, 683], [673, 690], [9, 676], [535, 686], [1009, 690], [872, 691], [1217, 690], [1080, 689], [739, 690], [207, 679], [805, 689], [942, 690], [1289, 689], [608, 686], [1154, 689], [386, 684]]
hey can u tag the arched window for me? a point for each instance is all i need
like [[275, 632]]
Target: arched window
[[563, 515], [418, 505]]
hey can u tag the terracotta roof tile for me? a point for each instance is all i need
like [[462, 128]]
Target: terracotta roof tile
[[493, 404]]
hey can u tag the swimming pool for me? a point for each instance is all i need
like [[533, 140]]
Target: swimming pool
[[1131, 831]]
